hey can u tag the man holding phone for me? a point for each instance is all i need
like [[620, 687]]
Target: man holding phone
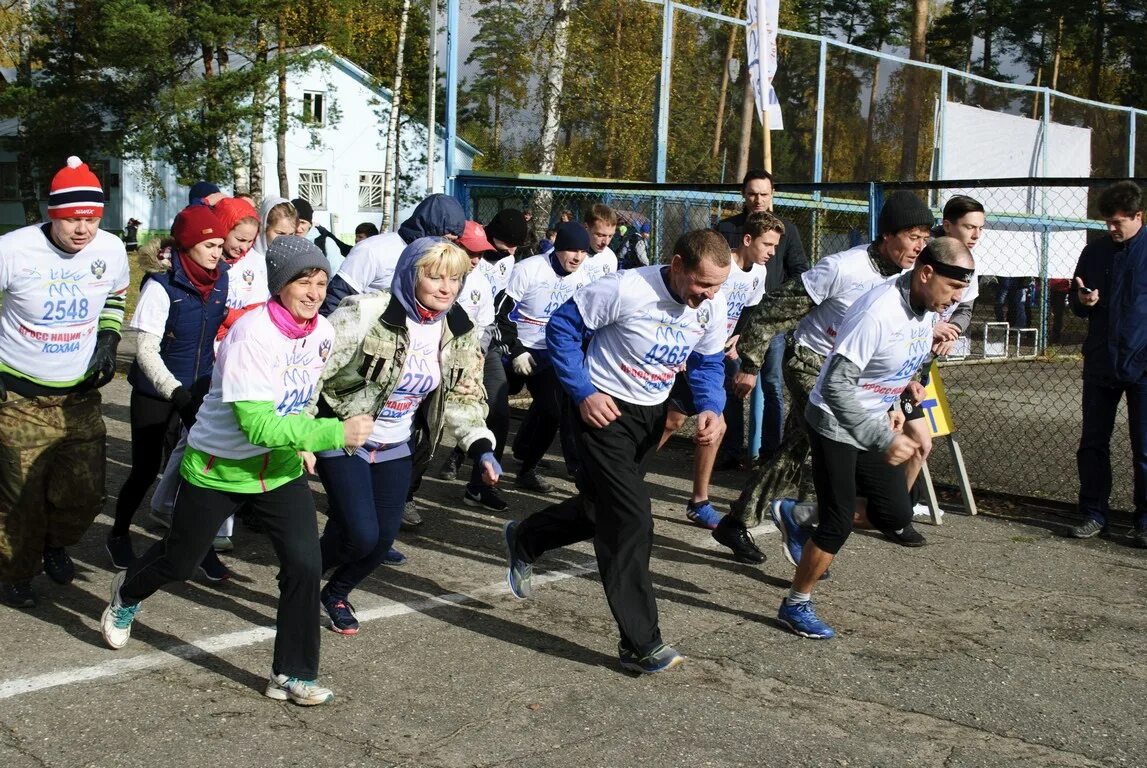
[[1110, 290]]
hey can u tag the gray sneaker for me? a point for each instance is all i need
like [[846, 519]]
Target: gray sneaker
[[1088, 529], [410, 516], [662, 658], [518, 571]]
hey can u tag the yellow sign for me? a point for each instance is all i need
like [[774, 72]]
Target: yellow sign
[[935, 404]]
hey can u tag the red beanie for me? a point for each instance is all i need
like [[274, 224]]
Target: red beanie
[[194, 224], [75, 192], [232, 210]]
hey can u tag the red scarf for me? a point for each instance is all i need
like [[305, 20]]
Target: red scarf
[[201, 278]]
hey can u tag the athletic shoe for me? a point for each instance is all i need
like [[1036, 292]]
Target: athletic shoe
[[120, 551], [212, 567], [518, 571], [734, 536], [542, 464], [662, 658], [1139, 538], [222, 544], [486, 496], [923, 510], [341, 613], [801, 618], [305, 693], [161, 516], [18, 594], [115, 623], [793, 536], [703, 513], [410, 516], [1089, 528], [394, 557], [58, 565], [449, 468], [906, 537], [532, 481]]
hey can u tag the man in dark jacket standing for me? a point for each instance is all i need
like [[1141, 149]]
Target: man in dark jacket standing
[[1110, 290], [788, 262]]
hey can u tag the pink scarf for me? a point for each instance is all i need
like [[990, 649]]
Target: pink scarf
[[286, 322]]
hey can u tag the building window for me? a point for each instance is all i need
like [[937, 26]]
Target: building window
[[314, 108], [370, 191], [313, 188], [9, 182]]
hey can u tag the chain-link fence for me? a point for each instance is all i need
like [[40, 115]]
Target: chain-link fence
[[1014, 381]]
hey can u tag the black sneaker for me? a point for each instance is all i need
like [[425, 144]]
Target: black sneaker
[[733, 535], [1139, 538], [906, 537], [532, 481], [1089, 528], [449, 468], [485, 496], [120, 551], [58, 565], [212, 567], [18, 594]]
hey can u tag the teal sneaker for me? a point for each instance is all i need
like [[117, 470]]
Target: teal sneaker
[[115, 624]]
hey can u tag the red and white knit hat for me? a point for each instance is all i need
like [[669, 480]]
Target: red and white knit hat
[[75, 192]]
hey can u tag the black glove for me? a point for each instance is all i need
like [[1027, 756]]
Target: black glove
[[186, 404], [103, 363]]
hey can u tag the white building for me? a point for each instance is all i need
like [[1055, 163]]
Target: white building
[[335, 161]]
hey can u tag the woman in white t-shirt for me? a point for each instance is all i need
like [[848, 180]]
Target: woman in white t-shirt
[[410, 358]]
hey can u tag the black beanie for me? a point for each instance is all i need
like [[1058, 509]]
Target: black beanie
[[571, 237], [304, 209], [904, 210], [509, 226]]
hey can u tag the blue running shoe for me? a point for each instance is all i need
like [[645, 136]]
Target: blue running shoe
[[792, 535], [341, 613], [662, 658], [394, 557], [703, 513], [801, 618], [518, 571]]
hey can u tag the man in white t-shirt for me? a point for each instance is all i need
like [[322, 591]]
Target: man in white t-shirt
[[743, 288], [814, 304], [601, 223], [855, 421], [643, 326]]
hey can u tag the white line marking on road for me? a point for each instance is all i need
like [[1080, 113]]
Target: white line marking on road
[[244, 638]]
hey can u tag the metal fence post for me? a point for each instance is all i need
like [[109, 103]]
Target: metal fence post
[[1131, 145], [875, 203], [449, 145], [1045, 228], [460, 191], [663, 90]]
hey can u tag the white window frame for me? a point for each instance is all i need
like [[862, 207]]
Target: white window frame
[[372, 181], [313, 187]]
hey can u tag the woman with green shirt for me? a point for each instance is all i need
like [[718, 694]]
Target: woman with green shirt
[[245, 449]]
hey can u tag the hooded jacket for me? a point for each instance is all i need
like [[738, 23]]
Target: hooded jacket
[[264, 212], [371, 341]]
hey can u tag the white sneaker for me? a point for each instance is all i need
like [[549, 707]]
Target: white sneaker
[[222, 544], [305, 693], [921, 510], [115, 623]]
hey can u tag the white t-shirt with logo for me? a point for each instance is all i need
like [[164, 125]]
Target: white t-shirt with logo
[[742, 289], [369, 267], [421, 374], [600, 264], [476, 298], [247, 281], [538, 291], [834, 283], [497, 273], [888, 342], [256, 362], [52, 301], [642, 335]]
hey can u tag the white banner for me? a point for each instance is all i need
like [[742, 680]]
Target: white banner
[[761, 40]]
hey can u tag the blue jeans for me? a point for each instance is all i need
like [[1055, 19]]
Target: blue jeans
[[364, 512], [773, 424], [1100, 402]]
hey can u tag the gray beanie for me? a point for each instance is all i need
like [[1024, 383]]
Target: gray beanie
[[290, 255], [904, 210]]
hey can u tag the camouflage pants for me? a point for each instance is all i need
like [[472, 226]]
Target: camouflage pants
[[52, 468], [786, 473]]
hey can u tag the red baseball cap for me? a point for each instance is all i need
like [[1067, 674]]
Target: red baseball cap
[[474, 238]]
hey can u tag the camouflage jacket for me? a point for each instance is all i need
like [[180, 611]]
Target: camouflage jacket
[[366, 364]]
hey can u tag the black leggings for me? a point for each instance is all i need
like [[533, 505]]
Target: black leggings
[[841, 473], [151, 420]]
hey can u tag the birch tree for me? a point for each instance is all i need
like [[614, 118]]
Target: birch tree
[[551, 107], [390, 177]]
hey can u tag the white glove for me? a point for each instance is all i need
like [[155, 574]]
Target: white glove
[[523, 364]]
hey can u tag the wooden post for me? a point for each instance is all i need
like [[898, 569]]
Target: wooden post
[[768, 137]]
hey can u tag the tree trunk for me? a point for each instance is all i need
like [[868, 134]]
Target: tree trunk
[[724, 81], [870, 129], [1054, 82], [551, 106], [988, 34], [1097, 50], [911, 132], [389, 178], [258, 119], [281, 124], [209, 105], [239, 177], [746, 127]]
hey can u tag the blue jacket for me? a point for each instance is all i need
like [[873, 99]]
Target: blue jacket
[[1115, 350], [188, 344]]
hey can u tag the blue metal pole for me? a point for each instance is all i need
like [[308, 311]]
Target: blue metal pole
[[818, 152], [1131, 146], [452, 45], [663, 90], [1045, 235], [875, 202]]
